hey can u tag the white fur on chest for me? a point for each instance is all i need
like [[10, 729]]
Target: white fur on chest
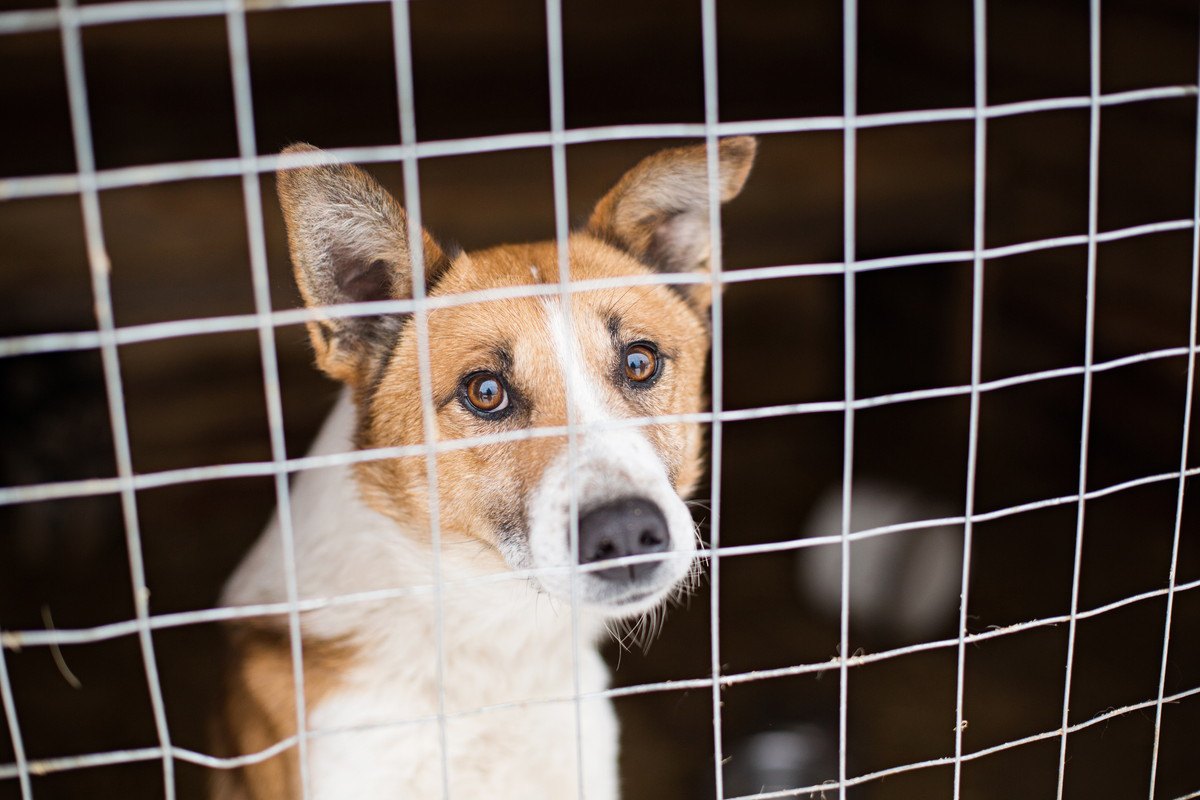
[[504, 644]]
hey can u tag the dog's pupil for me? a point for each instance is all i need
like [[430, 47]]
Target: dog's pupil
[[638, 364], [488, 390]]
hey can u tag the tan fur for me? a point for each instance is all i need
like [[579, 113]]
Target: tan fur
[[482, 480], [260, 707]]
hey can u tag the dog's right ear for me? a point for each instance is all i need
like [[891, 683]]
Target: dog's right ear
[[349, 244], [658, 211]]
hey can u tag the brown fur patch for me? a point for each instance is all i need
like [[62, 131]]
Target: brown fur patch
[[260, 709]]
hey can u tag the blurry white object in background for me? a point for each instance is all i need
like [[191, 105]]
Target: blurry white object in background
[[906, 583], [803, 754]]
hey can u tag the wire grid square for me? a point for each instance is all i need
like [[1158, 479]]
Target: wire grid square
[[88, 181]]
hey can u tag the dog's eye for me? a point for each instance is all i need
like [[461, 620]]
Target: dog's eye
[[484, 392], [641, 362]]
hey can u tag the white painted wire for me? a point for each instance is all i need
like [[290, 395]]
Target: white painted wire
[[16, 640], [987, 751], [48, 766], [562, 230], [61, 764], [88, 487], [979, 243], [88, 181], [1088, 353], [21, 765], [239, 56], [402, 44], [849, 178], [100, 266], [155, 331], [1183, 457], [124, 177], [712, 117], [53, 765]]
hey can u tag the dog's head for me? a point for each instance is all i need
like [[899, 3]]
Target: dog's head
[[505, 366]]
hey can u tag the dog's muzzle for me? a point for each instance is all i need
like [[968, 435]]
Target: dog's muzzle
[[628, 526], [627, 510]]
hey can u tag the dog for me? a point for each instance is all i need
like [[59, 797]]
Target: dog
[[457, 676]]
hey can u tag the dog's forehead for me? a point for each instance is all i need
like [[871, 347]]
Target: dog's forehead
[[531, 337], [638, 304], [511, 267], [535, 263], [526, 337]]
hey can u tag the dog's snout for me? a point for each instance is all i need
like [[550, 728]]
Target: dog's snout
[[629, 526]]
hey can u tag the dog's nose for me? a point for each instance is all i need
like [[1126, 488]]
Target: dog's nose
[[630, 526]]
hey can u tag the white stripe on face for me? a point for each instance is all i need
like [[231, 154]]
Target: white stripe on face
[[607, 464], [584, 392]]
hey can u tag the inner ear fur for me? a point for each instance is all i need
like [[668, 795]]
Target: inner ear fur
[[658, 211], [349, 243]]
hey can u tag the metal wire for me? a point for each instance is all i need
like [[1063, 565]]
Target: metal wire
[[1183, 456], [124, 177], [49, 766], [712, 117], [1088, 352], [133, 334], [21, 766], [849, 167], [88, 182], [402, 42], [980, 47], [101, 486], [562, 227], [100, 266], [239, 57]]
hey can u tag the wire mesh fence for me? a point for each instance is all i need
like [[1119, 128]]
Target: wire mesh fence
[[108, 338]]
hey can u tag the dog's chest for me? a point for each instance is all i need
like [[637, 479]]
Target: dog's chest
[[510, 726], [508, 671]]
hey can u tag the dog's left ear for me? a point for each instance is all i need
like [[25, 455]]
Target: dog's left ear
[[658, 211], [349, 243]]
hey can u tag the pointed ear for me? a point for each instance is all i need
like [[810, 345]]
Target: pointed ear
[[659, 210], [349, 244]]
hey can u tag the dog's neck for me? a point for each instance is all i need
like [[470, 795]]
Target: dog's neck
[[344, 549]]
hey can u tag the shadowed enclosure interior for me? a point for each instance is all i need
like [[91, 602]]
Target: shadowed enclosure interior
[[963, 274]]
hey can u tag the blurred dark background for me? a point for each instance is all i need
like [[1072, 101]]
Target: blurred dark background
[[161, 91]]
